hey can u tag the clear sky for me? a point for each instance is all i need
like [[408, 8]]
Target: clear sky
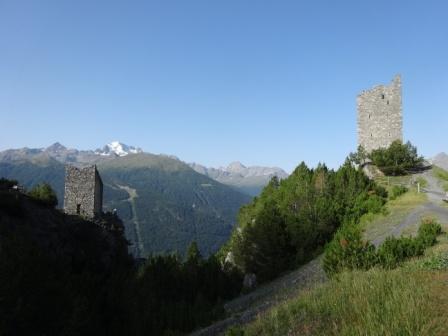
[[263, 82]]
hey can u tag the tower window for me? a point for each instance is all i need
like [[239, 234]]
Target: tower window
[[78, 209], [382, 96]]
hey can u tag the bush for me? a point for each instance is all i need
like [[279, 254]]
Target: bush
[[397, 191], [397, 159], [44, 194], [428, 232], [395, 250], [348, 251]]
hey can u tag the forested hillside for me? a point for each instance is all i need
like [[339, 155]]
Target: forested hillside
[[170, 204], [293, 219], [62, 275]]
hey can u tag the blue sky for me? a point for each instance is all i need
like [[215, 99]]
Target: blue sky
[[263, 82]]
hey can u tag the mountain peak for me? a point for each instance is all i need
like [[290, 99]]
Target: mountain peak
[[117, 148], [235, 167], [56, 147], [440, 160]]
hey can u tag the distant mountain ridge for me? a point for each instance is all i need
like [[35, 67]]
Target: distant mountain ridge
[[250, 180], [440, 160], [164, 204], [64, 154]]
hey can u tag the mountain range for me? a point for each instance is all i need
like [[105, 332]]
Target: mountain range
[[165, 204], [249, 180]]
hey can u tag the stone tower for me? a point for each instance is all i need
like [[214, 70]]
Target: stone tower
[[380, 120], [83, 191]]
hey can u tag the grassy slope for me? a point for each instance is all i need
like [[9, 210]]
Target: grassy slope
[[411, 300], [395, 211], [442, 175]]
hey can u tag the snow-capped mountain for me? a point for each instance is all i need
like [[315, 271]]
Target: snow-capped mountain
[[118, 149], [70, 155], [250, 180]]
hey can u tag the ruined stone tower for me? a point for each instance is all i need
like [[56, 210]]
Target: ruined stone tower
[[83, 191], [380, 120]]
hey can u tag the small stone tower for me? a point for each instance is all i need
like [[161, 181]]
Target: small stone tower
[[380, 120], [83, 191]]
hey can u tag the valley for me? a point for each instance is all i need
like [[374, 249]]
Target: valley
[[175, 204]]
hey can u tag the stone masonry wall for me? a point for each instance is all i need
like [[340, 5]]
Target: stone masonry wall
[[83, 191], [380, 119]]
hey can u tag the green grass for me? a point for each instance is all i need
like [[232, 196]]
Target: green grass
[[388, 181], [396, 211], [442, 175], [411, 300], [377, 302], [422, 181]]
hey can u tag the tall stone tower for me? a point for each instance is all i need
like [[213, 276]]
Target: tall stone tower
[[83, 191], [380, 120]]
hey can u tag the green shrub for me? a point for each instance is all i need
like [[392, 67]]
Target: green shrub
[[428, 232], [395, 250], [397, 159], [44, 194], [348, 251], [374, 204], [436, 262], [397, 191]]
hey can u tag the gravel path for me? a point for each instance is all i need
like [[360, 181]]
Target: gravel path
[[433, 208]]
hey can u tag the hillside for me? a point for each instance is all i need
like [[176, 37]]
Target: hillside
[[408, 300], [169, 203], [164, 203], [440, 160], [57, 270]]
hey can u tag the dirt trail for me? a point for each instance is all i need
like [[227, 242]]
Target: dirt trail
[[132, 196], [432, 208]]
